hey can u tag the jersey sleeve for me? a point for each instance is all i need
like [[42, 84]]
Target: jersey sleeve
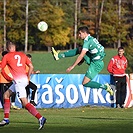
[[6, 74], [3, 62], [126, 63], [28, 61], [86, 45]]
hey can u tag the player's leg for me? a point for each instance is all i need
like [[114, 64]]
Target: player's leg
[[93, 70], [27, 90], [2, 91], [21, 91], [123, 92], [32, 110], [13, 97], [34, 88], [58, 55], [13, 106], [118, 87], [6, 96]]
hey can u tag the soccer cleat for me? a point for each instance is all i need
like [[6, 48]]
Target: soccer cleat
[[32, 102], [122, 106], [55, 54], [118, 106], [4, 122], [109, 89], [15, 107], [42, 121]]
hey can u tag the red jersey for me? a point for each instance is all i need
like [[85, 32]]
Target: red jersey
[[16, 62], [117, 65]]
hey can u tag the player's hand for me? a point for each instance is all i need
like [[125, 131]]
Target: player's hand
[[69, 69], [37, 71], [28, 78]]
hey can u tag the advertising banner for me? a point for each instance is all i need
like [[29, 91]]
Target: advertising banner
[[67, 91]]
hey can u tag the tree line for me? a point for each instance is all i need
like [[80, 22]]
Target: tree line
[[108, 20]]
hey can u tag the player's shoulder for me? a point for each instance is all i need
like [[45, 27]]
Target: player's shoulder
[[124, 57], [90, 38], [20, 53]]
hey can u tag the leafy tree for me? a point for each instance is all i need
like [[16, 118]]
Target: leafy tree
[[57, 33], [15, 21], [1, 24], [111, 25], [59, 14], [68, 7], [42, 10], [129, 55], [87, 14]]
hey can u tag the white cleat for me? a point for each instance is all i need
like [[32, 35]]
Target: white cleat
[[42, 121], [4, 122]]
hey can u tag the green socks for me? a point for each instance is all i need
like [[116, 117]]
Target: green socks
[[69, 53], [93, 84]]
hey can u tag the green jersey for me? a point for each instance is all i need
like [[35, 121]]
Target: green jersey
[[95, 51]]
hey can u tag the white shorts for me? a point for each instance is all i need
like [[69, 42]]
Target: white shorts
[[18, 87]]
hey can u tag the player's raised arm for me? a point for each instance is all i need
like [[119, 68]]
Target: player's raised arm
[[79, 58], [30, 69]]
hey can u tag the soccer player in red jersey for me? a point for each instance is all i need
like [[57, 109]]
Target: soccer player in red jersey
[[16, 61]]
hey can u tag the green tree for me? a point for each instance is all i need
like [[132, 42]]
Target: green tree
[[59, 14], [68, 7], [111, 25], [57, 33], [15, 21], [129, 55]]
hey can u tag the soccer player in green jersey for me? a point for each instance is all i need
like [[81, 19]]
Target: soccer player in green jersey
[[93, 53]]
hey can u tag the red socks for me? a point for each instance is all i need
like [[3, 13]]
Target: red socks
[[33, 110], [6, 108]]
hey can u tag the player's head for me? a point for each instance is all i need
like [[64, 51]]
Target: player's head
[[83, 32], [120, 51], [84, 29], [11, 47], [4, 53], [29, 56]]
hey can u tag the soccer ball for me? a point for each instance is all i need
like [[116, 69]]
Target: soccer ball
[[42, 26]]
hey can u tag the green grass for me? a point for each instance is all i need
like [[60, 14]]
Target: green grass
[[75, 120], [93, 119], [44, 62]]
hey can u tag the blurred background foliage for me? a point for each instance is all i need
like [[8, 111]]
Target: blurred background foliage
[[110, 21]]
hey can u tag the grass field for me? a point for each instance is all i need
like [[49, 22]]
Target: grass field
[[75, 120], [46, 64]]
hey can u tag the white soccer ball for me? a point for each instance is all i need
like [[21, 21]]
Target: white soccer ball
[[42, 26]]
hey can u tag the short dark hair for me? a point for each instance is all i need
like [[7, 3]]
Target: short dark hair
[[120, 48], [4, 53], [84, 29], [29, 55], [9, 43]]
